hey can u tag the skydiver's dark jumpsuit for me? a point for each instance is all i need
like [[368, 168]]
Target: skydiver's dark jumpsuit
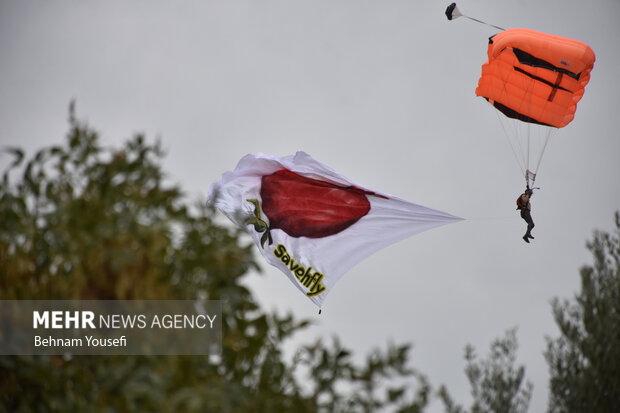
[[526, 215]]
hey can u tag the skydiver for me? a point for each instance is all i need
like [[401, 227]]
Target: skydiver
[[523, 203]]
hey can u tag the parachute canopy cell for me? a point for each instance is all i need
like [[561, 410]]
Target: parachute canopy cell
[[311, 222], [535, 77]]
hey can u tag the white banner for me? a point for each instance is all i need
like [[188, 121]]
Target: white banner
[[311, 222]]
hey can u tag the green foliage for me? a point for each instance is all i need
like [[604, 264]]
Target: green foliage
[[584, 361], [84, 222], [88, 223], [496, 383], [341, 386], [79, 221]]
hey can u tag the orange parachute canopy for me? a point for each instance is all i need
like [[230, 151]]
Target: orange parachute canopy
[[535, 77]]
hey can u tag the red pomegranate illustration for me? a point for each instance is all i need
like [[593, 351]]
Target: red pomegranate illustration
[[307, 207]]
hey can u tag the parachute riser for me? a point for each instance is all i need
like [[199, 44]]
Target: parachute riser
[[530, 177]]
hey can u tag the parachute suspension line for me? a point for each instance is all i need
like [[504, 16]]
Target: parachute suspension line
[[528, 143], [532, 136], [513, 130], [542, 151], [544, 138], [528, 137], [527, 158], [539, 139], [529, 173], [512, 142]]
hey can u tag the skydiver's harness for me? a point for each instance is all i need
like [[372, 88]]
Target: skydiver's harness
[[520, 204]]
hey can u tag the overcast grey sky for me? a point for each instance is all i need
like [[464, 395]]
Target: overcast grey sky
[[381, 91]]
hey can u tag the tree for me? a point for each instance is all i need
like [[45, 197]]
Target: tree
[[496, 384], [79, 221], [584, 361], [370, 384]]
